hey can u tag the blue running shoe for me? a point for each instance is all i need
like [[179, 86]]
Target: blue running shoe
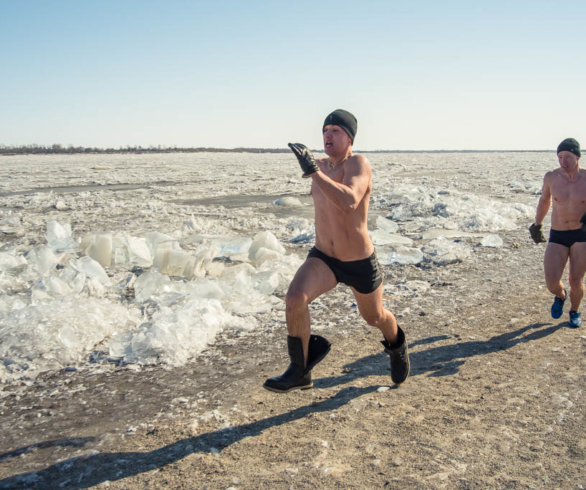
[[575, 320], [558, 306]]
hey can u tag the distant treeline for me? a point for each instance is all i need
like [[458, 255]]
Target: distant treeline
[[57, 149]]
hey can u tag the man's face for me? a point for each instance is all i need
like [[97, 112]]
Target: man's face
[[568, 161], [335, 139]]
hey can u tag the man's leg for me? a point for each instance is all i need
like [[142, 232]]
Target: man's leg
[[576, 274], [313, 279], [554, 261], [371, 308]]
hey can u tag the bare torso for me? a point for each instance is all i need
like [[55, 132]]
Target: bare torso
[[568, 197], [341, 233]]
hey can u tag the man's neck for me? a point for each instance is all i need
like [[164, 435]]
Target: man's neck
[[574, 175], [335, 160]]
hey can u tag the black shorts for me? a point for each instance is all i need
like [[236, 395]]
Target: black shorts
[[363, 275], [567, 238]]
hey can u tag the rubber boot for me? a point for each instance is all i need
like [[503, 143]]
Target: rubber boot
[[399, 355], [298, 377], [318, 350]]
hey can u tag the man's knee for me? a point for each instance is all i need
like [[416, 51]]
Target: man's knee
[[552, 283], [295, 299], [576, 283], [374, 318]]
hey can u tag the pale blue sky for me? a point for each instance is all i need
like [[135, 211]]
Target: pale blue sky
[[419, 75]]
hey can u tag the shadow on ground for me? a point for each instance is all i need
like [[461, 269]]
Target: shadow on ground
[[443, 360], [86, 471]]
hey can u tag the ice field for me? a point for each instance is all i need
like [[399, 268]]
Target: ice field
[[146, 258]]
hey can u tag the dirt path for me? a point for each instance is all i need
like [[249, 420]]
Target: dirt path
[[495, 399]]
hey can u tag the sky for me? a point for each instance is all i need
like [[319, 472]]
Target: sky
[[418, 75]]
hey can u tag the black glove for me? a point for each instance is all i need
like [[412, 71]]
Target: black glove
[[583, 221], [537, 233], [305, 158]]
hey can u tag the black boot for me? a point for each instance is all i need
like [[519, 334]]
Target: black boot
[[296, 377], [399, 357]]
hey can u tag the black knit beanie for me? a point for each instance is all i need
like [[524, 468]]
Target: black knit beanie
[[345, 120], [571, 145]]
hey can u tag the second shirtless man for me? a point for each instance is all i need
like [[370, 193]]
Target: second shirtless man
[[566, 185], [341, 187]]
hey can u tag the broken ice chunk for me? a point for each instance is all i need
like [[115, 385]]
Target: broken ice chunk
[[176, 263], [73, 278], [150, 284], [42, 259], [139, 252], [59, 237], [227, 245], [493, 241], [173, 336], [91, 269], [264, 240], [98, 246], [58, 288], [12, 226], [8, 261], [156, 240], [399, 255], [443, 252], [382, 237], [128, 251], [266, 282], [386, 225]]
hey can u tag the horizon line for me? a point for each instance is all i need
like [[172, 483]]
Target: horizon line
[[6, 150]]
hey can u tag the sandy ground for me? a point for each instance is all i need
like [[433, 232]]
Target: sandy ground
[[495, 399]]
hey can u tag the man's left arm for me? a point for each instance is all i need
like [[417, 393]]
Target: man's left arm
[[347, 195]]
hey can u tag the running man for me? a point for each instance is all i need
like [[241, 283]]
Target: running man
[[567, 237], [341, 185]]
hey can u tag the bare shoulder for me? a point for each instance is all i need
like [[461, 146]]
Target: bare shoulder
[[552, 174], [360, 159], [358, 163]]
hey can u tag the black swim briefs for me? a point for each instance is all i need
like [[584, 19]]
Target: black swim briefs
[[363, 275], [567, 238]]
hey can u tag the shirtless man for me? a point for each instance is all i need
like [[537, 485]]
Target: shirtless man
[[567, 238], [341, 187]]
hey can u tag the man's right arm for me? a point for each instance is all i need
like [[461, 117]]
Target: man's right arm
[[536, 229], [544, 201]]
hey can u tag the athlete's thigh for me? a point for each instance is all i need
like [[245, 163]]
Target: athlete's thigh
[[313, 279], [370, 304], [554, 261], [578, 261]]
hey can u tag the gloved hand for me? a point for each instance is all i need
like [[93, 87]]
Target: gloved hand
[[583, 221], [305, 158], [537, 233]]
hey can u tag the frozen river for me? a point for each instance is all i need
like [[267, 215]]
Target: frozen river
[[144, 259]]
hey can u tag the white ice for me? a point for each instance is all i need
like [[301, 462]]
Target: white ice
[[492, 241], [432, 208], [154, 273], [194, 298]]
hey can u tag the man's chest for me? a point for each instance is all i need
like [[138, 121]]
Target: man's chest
[[565, 191], [335, 174]]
